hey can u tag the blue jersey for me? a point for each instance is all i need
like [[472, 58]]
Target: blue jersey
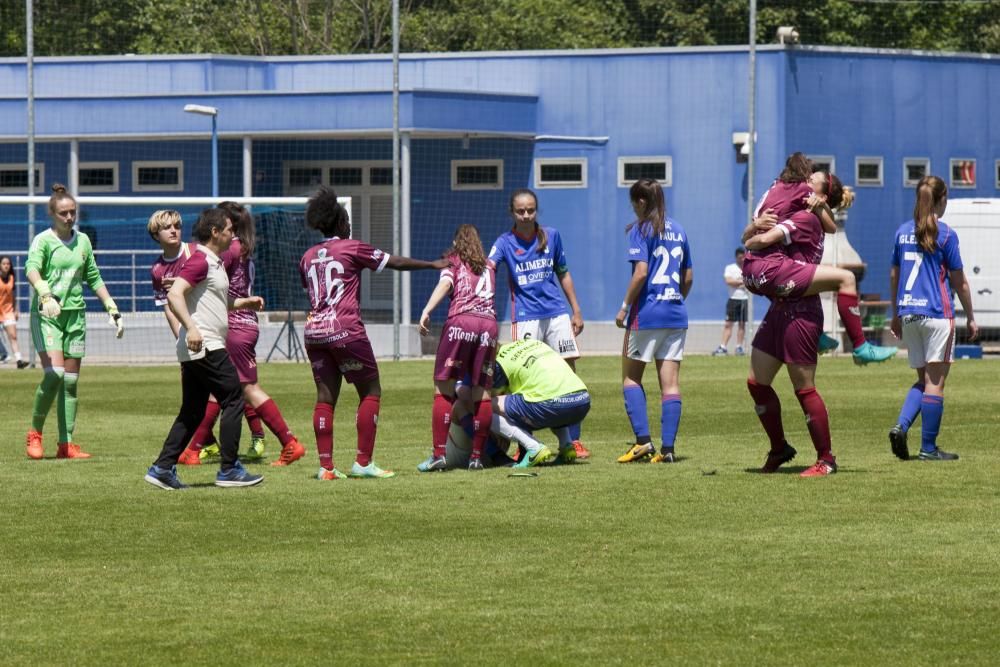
[[660, 304], [924, 287], [532, 275]]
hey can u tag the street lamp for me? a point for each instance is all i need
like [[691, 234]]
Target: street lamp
[[214, 113]]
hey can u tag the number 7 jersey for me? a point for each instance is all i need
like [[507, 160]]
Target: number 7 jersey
[[924, 287], [331, 274], [660, 304]]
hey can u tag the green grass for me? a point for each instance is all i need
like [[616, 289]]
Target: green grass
[[884, 563]]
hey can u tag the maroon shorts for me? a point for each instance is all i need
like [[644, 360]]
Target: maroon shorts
[[466, 350], [354, 360], [776, 276], [790, 331], [241, 344]]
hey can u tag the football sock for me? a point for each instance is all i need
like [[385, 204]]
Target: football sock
[[66, 408], [635, 408], [670, 419], [850, 315], [17, 356], [48, 388], [367, 423], [817, 421], [271, 415], [768, 409], [253, 421], [911, 406], [508, 430], [565, 436], [323, 428], [574, 431], [441, 422], [203, 434], [481, 426], [931, 409]]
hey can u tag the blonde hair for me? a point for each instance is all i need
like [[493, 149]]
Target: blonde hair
[[160, 220], [846, 199], [930, 191]]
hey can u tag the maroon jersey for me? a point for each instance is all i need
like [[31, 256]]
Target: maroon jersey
[[470, 294], [331, 273], [784, 199], [805, 237], [241, 274], [168, 268]]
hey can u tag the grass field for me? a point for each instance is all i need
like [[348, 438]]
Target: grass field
[[598, 563]]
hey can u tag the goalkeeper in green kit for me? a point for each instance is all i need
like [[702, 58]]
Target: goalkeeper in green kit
[[60, 260]]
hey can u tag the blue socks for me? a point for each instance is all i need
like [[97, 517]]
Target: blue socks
[[670, 419], [574, 431], [635, 408], [911, 406], [931, 409]]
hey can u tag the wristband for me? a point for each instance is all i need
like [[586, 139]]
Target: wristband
[[624, 305], [43, 289]]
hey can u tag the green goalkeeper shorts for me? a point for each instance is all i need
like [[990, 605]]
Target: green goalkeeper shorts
[[66, 333]]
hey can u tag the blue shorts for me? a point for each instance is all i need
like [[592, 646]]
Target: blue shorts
[[554, 413]]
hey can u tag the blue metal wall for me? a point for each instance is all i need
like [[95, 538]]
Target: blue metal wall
[[685, 103]]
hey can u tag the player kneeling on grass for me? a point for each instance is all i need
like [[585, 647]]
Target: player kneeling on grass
[[535, 388], [199, 299], [466, 348], [336, 341]]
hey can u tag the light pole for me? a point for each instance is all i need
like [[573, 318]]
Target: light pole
[[214, 113]]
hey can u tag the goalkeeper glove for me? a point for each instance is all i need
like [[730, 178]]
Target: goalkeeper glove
[[48, 303], [116, 318]]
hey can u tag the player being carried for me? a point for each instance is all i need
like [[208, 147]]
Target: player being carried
[[769, 271], [466, 348], [335, 337], [535, 388]]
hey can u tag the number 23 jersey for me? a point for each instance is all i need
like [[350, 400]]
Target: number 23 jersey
[[331, 274], [660, 304]]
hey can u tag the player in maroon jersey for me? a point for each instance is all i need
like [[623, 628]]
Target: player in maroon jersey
[[165, 228], [241, 343], [463, 368], [788, 336], [770, 272], [335, 337]]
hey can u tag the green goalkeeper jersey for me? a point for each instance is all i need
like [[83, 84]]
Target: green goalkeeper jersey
[[536, 371], [64, 265]]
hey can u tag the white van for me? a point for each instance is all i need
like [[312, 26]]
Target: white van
[[977, 222]]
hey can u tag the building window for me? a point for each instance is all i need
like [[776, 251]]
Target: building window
[[915, 168], [963, 173], [658, 167], [997, 184], [165, 176], [561, 172], [98, 177], [345, 176], [14, 178], [868, 171], [825, 163], [380, 176], [477, 174]]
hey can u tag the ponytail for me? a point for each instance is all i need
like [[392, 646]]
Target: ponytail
[[59, 192], [654, 208], [542, 237], [931, 190]]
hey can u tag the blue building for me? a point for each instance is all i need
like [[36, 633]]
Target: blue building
[[578, 127]]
